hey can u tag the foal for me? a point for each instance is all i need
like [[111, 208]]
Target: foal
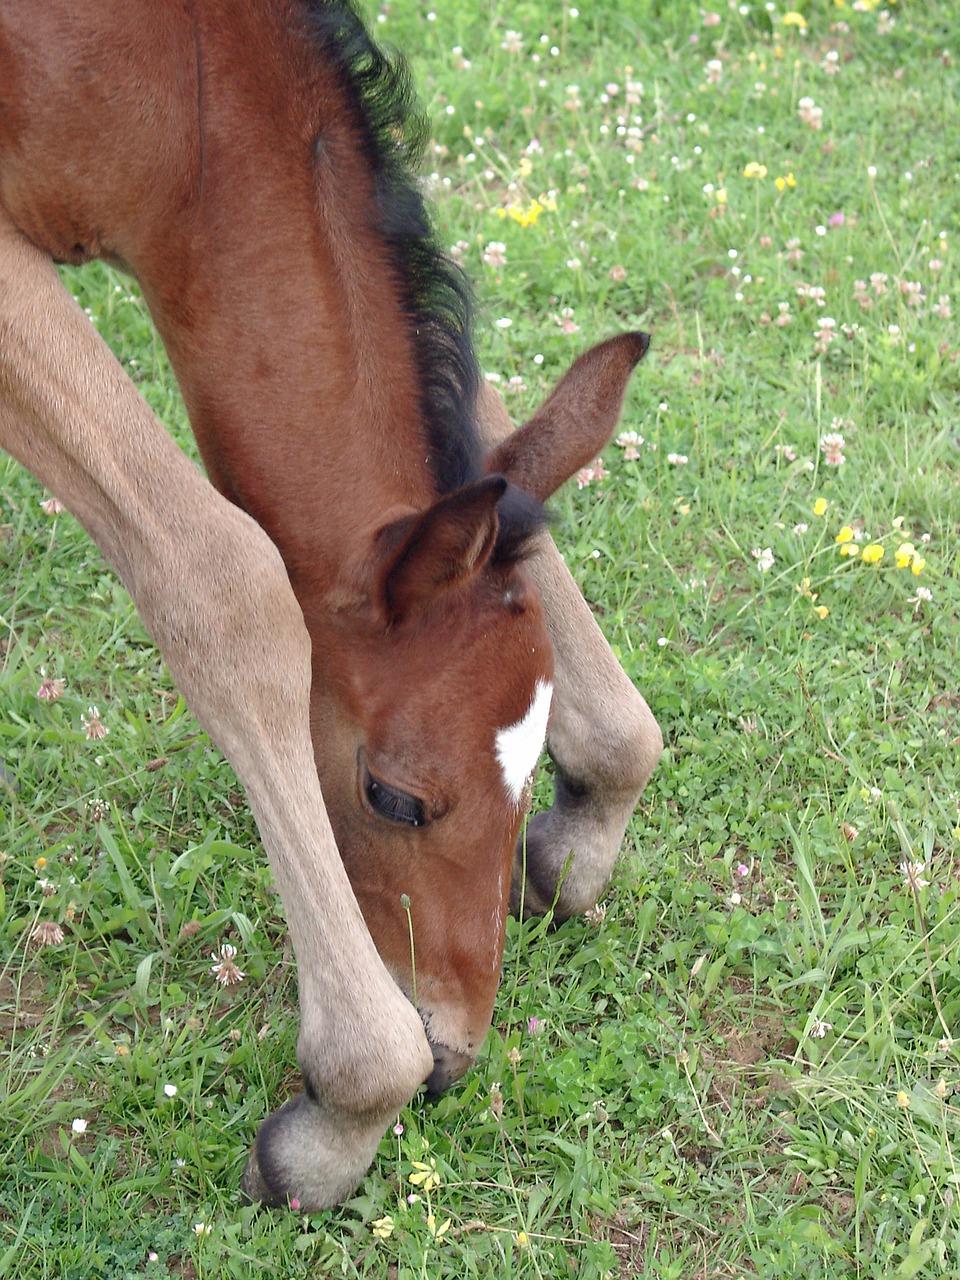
[[246, 161]]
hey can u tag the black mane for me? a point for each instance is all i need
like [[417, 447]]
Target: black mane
[[393, 131]]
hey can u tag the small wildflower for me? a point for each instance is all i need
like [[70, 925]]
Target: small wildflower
[[849, 832], [912, 873], [170, 1090], [945, 1044], [764, 557], [52, 506], [522, 1240], [820, 507], [398, 1129], [787, 180], [819, 1028], [919, 563], [224, 968], [618, 274], [941, 1089], [924, 596], [845, 534], [566, 321], [836, 219], [47, 934], [821, 611], [534, 1026], [425, 1176], [743, 869], [79, 1126], [93, 727], [904, 555], [202, 1228], [872, 553], [51, 687], [714, 71], [496, 1099], [677, 459], [832, 446], [794, 19], [810, 114], [755, 170], [903, 1100], [512, 42], [495, 254], [596, 915], [383, 1227], [735, 899]]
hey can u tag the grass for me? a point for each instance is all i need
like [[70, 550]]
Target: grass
[[746, 1064]]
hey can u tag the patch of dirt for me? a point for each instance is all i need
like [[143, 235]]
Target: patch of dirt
[[23, 1002]]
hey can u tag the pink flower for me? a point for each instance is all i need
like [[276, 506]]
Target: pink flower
[[93, 727], [495, 254], [566, 321], [51, 687], [534, 1026], [836, 219], [225, 969], [832, 446], [47, 934]]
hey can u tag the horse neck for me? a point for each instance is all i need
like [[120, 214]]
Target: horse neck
[[284, 322]]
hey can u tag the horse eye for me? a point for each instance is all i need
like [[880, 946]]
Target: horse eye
[[394, 805]]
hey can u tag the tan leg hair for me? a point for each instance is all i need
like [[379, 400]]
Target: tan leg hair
[[212, 590]]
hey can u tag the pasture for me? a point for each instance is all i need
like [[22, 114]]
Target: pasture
[[746, 1061]]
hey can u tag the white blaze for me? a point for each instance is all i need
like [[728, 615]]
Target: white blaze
[[519, 746]]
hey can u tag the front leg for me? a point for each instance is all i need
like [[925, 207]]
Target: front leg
[[603, 738], [213, 592]]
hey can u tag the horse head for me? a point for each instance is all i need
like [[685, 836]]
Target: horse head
[[430, 705]]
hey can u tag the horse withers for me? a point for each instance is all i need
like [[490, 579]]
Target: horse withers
[[370, 644]]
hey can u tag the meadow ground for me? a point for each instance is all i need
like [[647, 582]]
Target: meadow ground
[[746, 1062]]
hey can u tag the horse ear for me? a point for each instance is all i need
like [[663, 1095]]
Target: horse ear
[[421, 555], [576, 421]]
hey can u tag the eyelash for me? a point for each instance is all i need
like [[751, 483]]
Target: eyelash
[[395, 806]]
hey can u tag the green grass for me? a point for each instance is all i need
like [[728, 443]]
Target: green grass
[[672, 1112]]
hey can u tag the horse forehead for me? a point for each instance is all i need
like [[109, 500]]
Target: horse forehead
[[518, 746]]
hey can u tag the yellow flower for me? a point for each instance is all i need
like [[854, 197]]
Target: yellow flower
[[850, 549], [526, 217], [383, 1228], [918, 565], [721, 195], [821, 611], [872, 553], [903, 1100], [426, 1175], [434, 1230], [904, 554], [794, 19], [820, 507], [522, 1239], [40, 863], [845, 534], [755, 170], [782, 183]]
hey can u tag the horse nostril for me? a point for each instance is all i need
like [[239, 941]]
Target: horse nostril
[[448, 1065]]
